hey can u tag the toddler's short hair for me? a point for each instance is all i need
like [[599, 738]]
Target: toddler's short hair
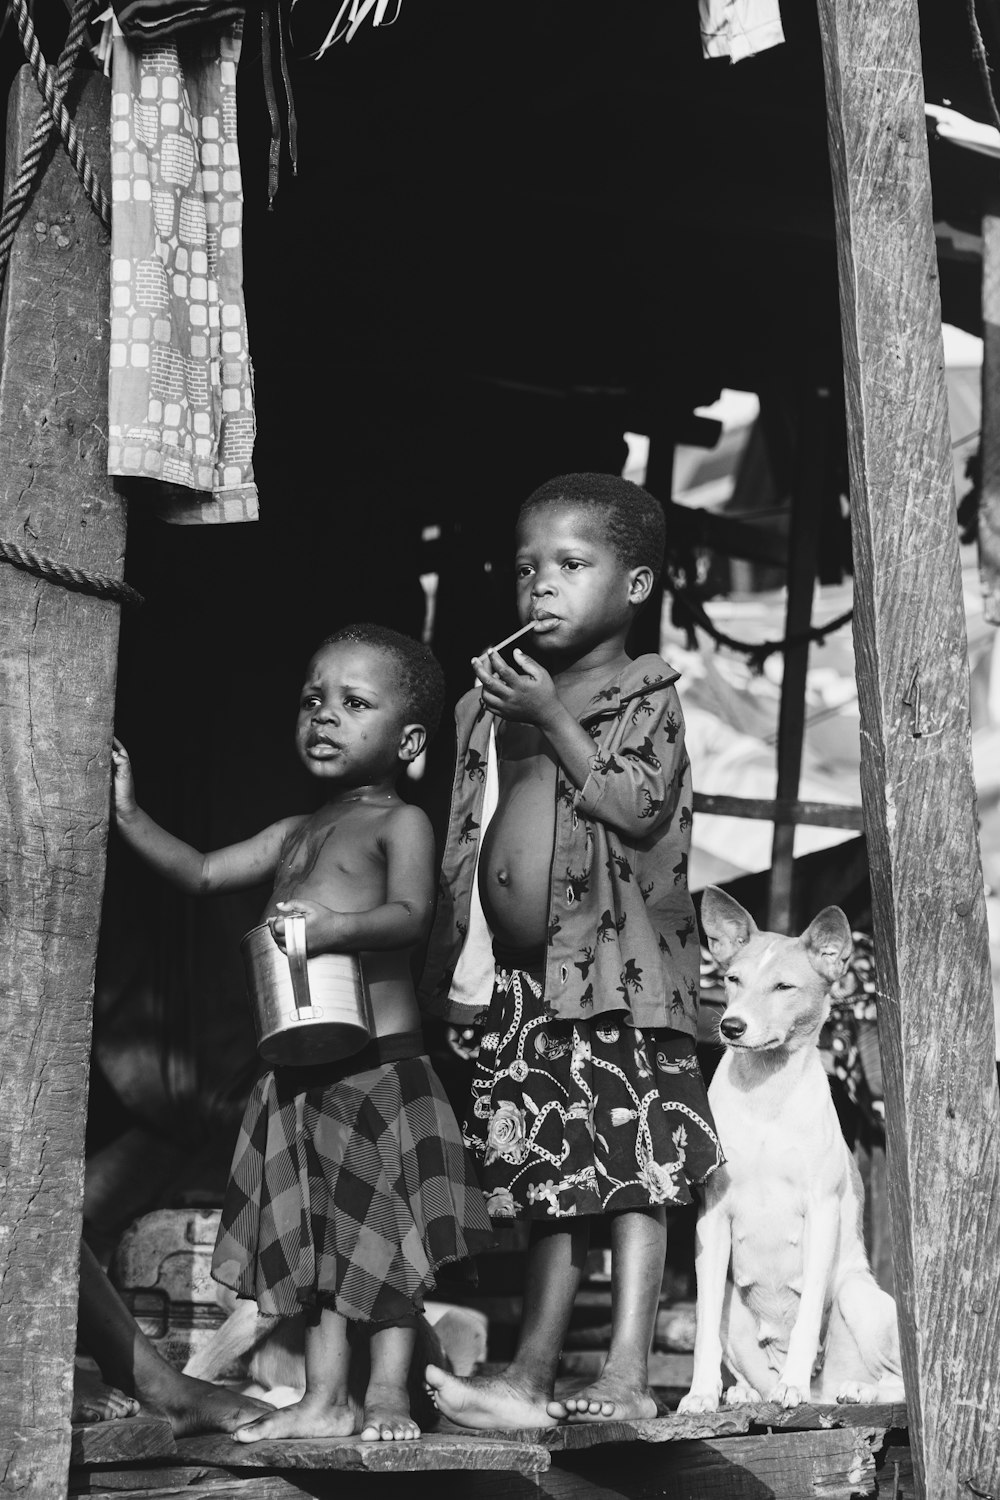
[[418, 670], [629, 517]]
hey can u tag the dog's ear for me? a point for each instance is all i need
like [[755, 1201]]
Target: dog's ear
[[728, 926], [828, 942]]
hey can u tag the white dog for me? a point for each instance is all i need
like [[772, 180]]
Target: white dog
[[785, 1292]]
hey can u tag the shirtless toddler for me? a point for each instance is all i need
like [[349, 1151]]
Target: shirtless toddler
[[349, 1186]]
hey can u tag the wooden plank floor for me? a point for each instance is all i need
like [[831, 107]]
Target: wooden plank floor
[[746, 1453]]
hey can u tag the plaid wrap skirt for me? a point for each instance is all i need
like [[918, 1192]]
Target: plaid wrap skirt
[[583, 1116], [349, 1189]]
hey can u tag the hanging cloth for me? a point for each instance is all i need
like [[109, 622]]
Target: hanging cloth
[[738, 29], [150, 20], [180, 389]]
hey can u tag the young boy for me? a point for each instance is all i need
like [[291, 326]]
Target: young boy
[[350, 1185], [569, 833]]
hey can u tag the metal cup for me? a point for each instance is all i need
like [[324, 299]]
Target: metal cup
[[305, 1010]]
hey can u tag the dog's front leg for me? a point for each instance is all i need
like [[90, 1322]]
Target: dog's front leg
[[820, 1234], [713, 1246]]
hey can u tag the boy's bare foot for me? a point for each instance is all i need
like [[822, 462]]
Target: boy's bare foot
[[93, 1401], [386, 1416], [192, 1405], [607, 1399], [487, 1402], [312, 1417]]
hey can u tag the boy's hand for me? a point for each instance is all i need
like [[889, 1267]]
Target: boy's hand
[[527, 696], [464, 1041], [321, 924], [123, 785]]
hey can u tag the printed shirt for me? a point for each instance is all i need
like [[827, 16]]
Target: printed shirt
[[621, 927]]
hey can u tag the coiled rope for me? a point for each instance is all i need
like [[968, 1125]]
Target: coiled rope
[[52, 86], [99, 584]]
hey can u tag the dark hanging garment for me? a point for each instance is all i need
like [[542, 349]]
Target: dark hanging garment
[[151, 20]]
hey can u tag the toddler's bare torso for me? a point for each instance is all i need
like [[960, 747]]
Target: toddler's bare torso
[[334, 857]]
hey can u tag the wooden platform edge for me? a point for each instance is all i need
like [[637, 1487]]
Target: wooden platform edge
[[727, 1422], [433, 1451], [128, 1440]]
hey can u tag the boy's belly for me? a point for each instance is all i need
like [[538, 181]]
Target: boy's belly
[[515, 864]]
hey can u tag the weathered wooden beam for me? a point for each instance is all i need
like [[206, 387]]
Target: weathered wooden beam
[[692, 526], [807, 496], [774, 810], [128, 1440], [935, 1000], [57, 680], [434, 1452]]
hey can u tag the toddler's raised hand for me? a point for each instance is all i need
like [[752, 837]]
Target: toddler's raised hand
[[527, 696], [123, 784]]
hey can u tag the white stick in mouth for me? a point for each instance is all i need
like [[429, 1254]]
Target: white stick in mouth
[[516, 636]]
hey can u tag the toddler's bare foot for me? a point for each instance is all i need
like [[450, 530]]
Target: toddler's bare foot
[[93, 1401], [386, 1417], [191, 1405], [311, 1417], [608, 1397], [487, 1402]]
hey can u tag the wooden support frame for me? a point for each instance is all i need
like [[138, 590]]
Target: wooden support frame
[[935, 998], [813, 431], [58, 669], [768, 809]]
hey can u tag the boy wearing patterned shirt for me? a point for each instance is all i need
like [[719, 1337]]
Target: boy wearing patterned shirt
[[568, 841]]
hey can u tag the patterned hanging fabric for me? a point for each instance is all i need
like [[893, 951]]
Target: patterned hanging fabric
[[180, 392]]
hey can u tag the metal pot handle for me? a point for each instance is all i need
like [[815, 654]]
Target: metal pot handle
[[295, 947]]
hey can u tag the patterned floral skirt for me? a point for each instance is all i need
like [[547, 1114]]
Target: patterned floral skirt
[[586, 1116], [348, 1189]]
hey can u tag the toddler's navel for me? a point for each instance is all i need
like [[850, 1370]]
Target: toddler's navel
[[503, 878]]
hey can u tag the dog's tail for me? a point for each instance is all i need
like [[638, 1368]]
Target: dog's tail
[[870, 1315], [224, 1354]]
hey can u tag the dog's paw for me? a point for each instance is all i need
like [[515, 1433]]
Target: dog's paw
[[788, 1395], [699, 1401], [741, 1394], [855, 1391]]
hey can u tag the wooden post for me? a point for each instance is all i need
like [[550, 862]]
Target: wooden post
[[807, 496], [58, 680], [935, 1005]]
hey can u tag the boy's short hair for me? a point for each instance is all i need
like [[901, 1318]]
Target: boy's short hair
[[630, 518], [418, 670]]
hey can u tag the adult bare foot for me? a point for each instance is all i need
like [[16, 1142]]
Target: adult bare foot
[[606, 1399], [93, 1401], [312, 1417], [386, 1417], [487, 1402], [192, 1405]]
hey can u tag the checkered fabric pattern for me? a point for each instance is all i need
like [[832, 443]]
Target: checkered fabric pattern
[[348, 1195]]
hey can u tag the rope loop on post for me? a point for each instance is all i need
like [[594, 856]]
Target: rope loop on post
[[100, 585]]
